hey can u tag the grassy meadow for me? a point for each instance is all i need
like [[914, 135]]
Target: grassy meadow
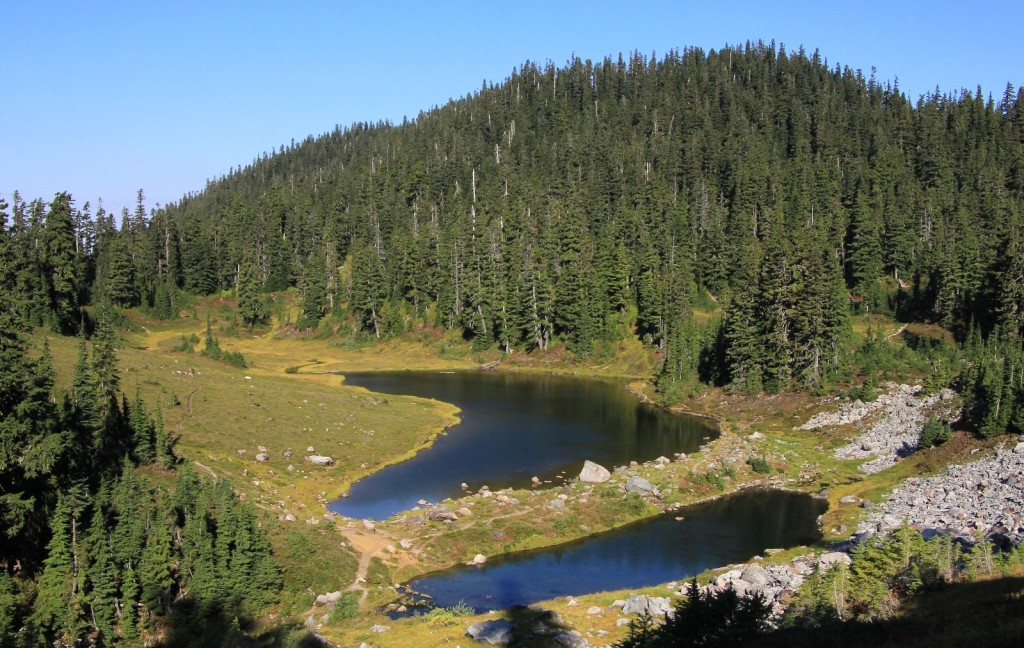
[[288, 399]]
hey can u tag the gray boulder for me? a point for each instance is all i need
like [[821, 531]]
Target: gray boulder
[[320, 460], [651, 605], [594, 473], [640, 485], [497, 632], [571, 639], [826, 560], [442, 514], [755, 575]]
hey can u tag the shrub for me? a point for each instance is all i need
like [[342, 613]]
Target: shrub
[[935, 432], [347, 607], [760, 465]]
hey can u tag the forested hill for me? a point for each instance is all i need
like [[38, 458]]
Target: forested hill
[[586, 203]]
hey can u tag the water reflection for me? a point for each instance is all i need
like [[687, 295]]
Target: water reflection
[[729, 530], [515, 427]]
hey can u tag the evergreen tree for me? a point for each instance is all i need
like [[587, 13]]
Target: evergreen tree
[[314, 290], [32, 447], [129, 624], [251, 306], [57, 243], [155, 569], [101, 575], [57, 608]]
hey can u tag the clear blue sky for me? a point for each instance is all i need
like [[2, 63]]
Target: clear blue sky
[[102, 98]]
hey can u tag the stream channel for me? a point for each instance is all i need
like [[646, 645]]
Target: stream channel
[[517, 426]]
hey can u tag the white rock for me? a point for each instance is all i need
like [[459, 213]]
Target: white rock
[[479, 559], [594, 473], [826, 560]]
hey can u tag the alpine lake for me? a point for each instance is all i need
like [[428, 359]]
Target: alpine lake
[[515, 427]]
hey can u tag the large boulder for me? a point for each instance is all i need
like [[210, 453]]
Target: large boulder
[[441, 514], [826, 560], [594, 473], [319, 460], [651, 605], [572, 639], [755, 575], [497, 632], [640, 485]]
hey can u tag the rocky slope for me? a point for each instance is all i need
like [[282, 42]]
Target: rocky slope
[[981, 497], [896, 421]]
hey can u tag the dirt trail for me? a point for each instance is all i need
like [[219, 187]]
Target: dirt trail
[[367, 545]]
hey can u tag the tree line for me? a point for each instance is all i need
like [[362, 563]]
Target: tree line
[[92, 549], [593, 202]]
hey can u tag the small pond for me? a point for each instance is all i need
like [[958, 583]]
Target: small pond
[[714, 534], [515, 427]]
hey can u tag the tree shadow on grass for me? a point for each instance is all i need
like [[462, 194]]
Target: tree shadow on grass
[[985, 613], [185, 626]]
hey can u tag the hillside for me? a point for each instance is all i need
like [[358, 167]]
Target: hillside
[[748, 233]]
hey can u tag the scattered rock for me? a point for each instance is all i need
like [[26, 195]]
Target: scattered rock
[[496, 632], [557, 504], [755, 436], [479, 559], [379, 628], [310, 449], [463, 512], [848, 499], [320, 460], [262, 457], [369, 526], [594, 609], [976, 497], [594, 473], [896, 428]]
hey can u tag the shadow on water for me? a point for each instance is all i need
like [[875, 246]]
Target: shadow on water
[[727, 530]]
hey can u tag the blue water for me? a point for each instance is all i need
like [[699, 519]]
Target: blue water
[[515, 427], [729, 530]]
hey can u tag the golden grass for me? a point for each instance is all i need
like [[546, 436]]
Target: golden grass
[[286, 401]]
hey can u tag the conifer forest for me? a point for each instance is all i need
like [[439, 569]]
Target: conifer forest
[[730, 210]]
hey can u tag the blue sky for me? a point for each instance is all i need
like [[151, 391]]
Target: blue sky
[[103, 98]]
